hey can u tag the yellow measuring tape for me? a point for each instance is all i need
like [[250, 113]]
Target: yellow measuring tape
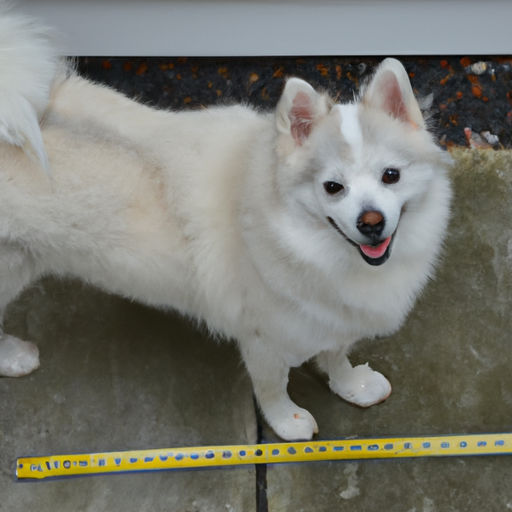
[[52, 466]]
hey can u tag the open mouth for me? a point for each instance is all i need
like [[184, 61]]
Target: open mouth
[[374, 255]]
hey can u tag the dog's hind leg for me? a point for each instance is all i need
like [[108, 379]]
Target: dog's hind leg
[[359, 385], [269, 375], [17, 269]]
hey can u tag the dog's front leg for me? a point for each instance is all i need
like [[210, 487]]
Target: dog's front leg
[[269, 375], [359, 385]]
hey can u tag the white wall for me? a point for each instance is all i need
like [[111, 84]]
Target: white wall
[[279, 27]]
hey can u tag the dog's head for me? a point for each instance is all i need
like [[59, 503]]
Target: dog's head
[[357, 167]]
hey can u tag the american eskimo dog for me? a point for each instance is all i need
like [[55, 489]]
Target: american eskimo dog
[[296, 232]]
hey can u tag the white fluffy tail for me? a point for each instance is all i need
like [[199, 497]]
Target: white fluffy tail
[[29, 59]]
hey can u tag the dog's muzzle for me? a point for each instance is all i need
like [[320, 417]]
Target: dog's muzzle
[[374, 255]]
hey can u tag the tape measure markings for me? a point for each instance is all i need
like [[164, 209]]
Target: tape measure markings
[[41, 467]]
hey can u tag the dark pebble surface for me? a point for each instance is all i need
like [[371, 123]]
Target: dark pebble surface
[[468, 92]]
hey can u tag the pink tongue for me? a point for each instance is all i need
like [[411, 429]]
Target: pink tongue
[[376, 251]]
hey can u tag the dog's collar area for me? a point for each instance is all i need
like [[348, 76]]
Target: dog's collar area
[[375, 262]]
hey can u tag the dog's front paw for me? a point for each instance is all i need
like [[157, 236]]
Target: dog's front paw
[[362, 386], [292, 423], [17, 357]]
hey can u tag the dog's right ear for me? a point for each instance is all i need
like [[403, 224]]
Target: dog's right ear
[[299, 110]]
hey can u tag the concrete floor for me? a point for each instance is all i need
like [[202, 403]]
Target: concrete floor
[[117, 376]]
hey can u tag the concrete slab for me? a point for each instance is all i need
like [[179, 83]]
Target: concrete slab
[[118, 376], [450, 367]]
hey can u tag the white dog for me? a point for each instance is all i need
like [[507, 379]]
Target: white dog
[[296, 232]]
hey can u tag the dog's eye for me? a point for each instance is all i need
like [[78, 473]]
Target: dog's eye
[[390, 176], [331, 187]]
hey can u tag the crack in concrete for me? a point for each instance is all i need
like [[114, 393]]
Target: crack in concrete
[[261, 470]]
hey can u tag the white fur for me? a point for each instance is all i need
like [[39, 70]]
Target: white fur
[[221, 214], [28, 60], [350, 128]]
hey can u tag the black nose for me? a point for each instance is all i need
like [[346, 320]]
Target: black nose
[[371, 224]]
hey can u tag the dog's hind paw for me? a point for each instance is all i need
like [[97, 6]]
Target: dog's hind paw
[[362, 386], [17, 357]]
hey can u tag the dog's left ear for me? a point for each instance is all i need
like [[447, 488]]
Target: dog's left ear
[[390, 90], [299, 110]]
